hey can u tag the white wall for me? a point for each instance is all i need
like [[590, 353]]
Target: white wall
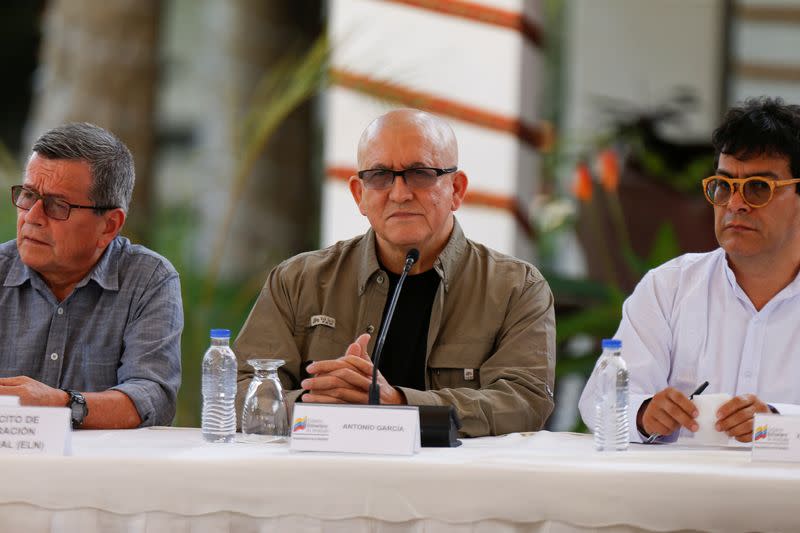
[[639, 51], [762, 43]]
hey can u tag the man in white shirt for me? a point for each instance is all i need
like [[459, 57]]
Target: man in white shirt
[[729, 316]]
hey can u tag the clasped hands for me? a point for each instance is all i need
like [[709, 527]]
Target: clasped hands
[[670, 409], [347, 379]]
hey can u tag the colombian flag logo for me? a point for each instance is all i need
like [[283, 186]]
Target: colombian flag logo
[[761, 433], [299, 424]]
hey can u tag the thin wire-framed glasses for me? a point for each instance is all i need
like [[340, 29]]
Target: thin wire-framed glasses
[[415, 178], [55, 208], [756, 191]]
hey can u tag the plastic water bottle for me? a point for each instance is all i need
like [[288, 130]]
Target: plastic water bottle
[[611, 402], [219, 389]]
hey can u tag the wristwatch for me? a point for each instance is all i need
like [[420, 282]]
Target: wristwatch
[[77, 404]]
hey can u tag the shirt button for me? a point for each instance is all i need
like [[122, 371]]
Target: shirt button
[[748, 374], [54, 356], [370, 328], [60, 310], [379, 279]]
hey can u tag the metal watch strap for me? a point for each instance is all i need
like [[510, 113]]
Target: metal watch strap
[[78, 408]]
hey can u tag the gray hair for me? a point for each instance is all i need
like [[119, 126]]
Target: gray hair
[[111, 162]]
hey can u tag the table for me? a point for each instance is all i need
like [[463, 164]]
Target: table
[[168, 479]]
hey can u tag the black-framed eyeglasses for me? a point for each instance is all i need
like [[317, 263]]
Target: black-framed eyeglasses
[[415, 178], [756, 191], [55, 208]]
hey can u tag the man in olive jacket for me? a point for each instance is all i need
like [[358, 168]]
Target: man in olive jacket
[[473, 328]]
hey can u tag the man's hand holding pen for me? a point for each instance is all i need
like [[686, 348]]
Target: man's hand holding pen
[[670, 409], [667, 411]]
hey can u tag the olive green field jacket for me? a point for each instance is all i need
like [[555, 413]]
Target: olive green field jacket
[[491, 340]]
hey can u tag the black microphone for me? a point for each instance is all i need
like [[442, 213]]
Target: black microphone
[[374, 389]]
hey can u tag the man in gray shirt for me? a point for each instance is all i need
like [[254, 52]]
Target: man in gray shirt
[[87, 319]]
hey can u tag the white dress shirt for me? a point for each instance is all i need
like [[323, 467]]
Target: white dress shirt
[[689, 321]]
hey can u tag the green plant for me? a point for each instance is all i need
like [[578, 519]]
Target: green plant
[[279, 92], [10, 172], [208, 301], [638, 131], [588, 310], [228, 305]]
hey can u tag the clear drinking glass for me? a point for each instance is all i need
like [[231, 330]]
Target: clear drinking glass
[[264, 412]]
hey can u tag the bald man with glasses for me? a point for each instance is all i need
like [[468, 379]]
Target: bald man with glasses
[[473, 328], [729, 316], [90, 321]]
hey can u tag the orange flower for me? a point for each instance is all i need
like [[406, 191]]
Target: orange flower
[[582, 186], [608, 165]]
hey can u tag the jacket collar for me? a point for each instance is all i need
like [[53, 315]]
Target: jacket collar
[[447, 265]]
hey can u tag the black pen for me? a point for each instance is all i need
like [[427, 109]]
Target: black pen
[[699, 390]]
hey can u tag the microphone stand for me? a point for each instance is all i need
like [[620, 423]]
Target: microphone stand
[[374, 389]]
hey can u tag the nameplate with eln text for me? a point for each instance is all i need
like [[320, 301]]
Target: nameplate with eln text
[[378, 429], [34, 430]]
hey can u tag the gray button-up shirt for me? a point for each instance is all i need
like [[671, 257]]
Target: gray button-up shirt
[[119, 329]]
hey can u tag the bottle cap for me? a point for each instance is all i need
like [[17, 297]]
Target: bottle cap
[[612, 344], [220, 334]]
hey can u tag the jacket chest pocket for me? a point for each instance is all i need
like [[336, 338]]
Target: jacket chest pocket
[[457, 365], [321, 344]]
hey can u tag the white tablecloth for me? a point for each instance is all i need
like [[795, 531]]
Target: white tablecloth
[[169, 479]]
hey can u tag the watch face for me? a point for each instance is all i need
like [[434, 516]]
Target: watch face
[[77, 406]]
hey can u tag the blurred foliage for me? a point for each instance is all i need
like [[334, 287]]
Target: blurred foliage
[[598, 309], [554, 14], [639, 132], [10, 174], [209, 302], [289, 83], [226, 304], [588, 310]]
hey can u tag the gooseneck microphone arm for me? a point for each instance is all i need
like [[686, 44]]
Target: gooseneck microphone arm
[[374, 389]]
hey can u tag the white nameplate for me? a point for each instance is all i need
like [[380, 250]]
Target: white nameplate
[[34, 430], [776, 437], [382, 429]]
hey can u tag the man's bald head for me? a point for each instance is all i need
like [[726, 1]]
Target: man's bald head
[[437, 133], [409, 212]]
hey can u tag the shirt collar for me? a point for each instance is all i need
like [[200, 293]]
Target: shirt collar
[[18, 274], [105, 272], [731, 277], [791, 290], [447, 265]]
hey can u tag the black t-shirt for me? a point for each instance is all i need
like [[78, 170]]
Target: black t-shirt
[[403, 359]]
